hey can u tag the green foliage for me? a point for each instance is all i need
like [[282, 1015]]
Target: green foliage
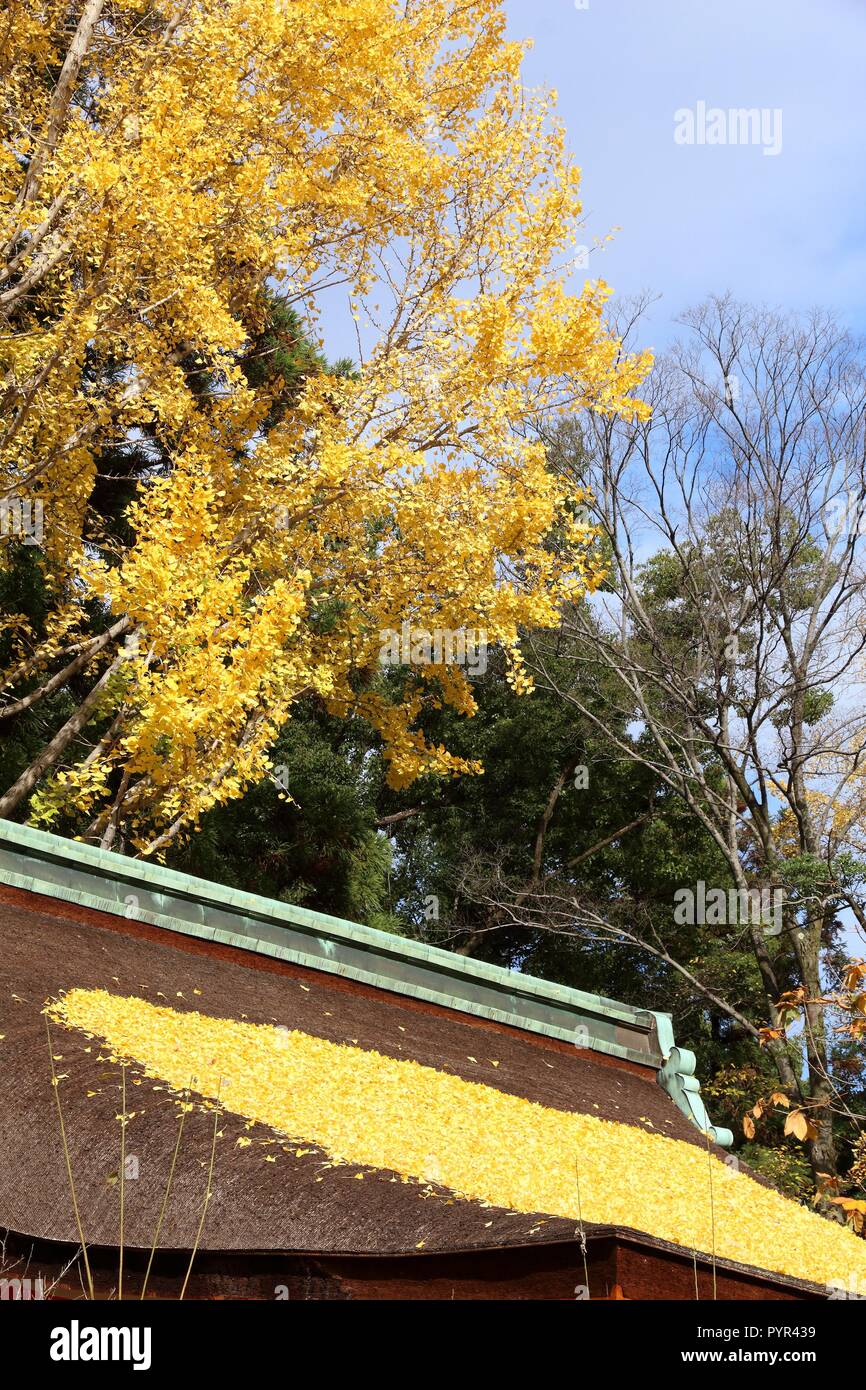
[[309, 836], [281, 356], [25, 603], [787, 1168], [816, 705]]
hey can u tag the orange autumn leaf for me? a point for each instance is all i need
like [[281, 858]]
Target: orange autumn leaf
[[798, 1124]]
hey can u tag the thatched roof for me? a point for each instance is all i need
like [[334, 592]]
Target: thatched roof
[[352, 1119]]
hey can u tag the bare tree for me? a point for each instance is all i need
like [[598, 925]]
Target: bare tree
[[733, 624]]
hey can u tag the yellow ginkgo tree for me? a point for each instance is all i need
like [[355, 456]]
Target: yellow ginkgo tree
[[166, 167]]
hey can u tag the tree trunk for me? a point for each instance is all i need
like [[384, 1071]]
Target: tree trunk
[[53, 751], [822, 1149]]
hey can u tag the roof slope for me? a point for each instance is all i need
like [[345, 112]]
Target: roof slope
[[355, 1120], [256, 1204]]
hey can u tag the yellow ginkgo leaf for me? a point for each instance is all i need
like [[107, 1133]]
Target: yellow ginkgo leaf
[[365, 1108]]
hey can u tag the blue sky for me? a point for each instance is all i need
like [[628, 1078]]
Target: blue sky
[[786, 229]]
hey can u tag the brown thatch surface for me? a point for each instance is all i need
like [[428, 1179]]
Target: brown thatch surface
[[256, 1205]]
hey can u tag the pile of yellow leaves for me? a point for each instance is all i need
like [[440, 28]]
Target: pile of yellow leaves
[[365, 1108]]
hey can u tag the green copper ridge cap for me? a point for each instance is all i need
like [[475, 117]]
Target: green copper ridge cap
[[141, 890]]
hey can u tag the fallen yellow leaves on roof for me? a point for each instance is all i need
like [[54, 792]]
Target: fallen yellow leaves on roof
[[381, 1112]]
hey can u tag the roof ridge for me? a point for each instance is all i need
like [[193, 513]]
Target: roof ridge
[[140, 890]]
